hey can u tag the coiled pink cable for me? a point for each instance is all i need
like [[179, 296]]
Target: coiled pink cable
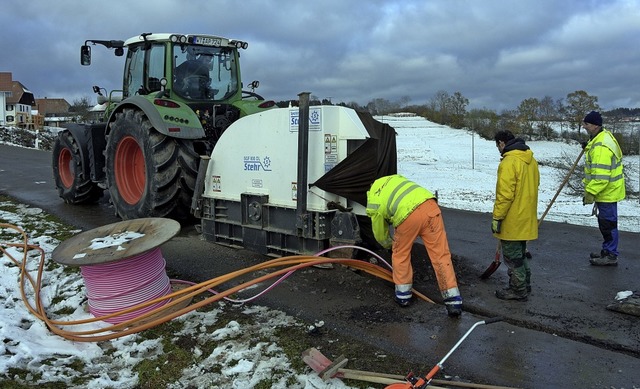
[[114, 286]]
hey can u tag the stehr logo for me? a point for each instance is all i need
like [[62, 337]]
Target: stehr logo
[[254, 163], [315, 119]]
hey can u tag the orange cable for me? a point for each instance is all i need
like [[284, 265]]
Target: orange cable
[[131, 326]]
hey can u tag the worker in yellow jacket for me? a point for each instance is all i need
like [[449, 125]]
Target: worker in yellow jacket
[[413, 211], [515, 211], [604, 185]]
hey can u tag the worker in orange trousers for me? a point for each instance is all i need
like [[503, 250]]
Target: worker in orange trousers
[[412, 211]]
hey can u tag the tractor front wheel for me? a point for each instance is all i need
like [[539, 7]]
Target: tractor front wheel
[[70, 173], [148, 174]]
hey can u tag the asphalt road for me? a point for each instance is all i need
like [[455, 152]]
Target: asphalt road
[[563, 337]]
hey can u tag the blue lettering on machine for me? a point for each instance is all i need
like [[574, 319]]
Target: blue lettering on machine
[[254, 163]]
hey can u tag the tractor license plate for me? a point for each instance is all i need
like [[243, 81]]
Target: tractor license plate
[[206, 41]]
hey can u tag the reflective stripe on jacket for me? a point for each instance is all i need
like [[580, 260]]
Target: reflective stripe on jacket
[[390, 200], [516, 202], [603, 171]]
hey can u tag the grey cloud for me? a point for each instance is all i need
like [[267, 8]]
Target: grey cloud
[[496, 53]]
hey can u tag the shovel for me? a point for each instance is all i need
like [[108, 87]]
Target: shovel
[[327, 369], [494, 265], [496, 262]]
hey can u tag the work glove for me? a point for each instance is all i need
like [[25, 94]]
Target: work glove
[[584, 144], [588, 198], [495, 226], [387, 243]]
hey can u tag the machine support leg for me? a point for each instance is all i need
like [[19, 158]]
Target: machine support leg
[[303, 162]]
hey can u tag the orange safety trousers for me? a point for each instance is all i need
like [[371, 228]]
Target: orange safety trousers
[[426, 222]]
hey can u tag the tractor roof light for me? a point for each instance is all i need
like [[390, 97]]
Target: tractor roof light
[[178, 38], [239, 44]]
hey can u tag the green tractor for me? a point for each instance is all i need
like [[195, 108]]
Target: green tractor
[[179, 94]]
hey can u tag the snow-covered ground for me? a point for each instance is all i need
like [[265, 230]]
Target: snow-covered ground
[[237, 361], [461, 167]]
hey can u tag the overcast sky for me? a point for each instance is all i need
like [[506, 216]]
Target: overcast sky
[[495, 52]]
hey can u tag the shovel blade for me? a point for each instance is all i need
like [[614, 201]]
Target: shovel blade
[[490, 270], [495, 264], [315, 359]]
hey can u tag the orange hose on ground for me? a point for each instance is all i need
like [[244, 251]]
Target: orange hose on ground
[[290, 263]]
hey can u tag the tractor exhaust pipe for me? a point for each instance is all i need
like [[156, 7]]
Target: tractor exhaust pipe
[[303, 162]]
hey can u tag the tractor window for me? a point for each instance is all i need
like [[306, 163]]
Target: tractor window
[[155, 68], [137, 79], [133, 76], [205, 73]]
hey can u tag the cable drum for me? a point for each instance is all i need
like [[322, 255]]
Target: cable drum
[[122, 266], [112, 287]]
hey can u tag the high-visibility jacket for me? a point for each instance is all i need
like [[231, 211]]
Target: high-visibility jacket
[[390, 200], [603, 172], [516, 203]]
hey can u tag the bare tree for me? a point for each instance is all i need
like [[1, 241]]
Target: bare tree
[[80, 108], [379, 106], [548, 113], [439, 105], [528, 114], [457, 106], [404, 100], [354, 105], [579, 103]]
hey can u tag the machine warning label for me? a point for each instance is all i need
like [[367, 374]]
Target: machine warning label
[[330, 151], [294, 191], [315, 119], [215, 184], [255, 163], [330, 144]]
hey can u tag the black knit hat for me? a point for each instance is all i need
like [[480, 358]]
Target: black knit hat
[[593, 117]]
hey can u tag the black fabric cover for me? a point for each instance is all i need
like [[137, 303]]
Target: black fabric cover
[[375, 158]]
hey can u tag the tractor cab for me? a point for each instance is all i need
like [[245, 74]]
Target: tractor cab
[[185, 67], [198, 71]]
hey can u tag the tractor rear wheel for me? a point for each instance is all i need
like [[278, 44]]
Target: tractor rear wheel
[[70, 174], [148, 174]]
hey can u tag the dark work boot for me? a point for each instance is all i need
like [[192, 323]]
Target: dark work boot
[[403, 302], [597, 255], [454, 311], [519, 284], [606, 260], [454, 306], [510, 294]]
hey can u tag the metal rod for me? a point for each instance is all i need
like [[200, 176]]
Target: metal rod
[[437, 367]]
